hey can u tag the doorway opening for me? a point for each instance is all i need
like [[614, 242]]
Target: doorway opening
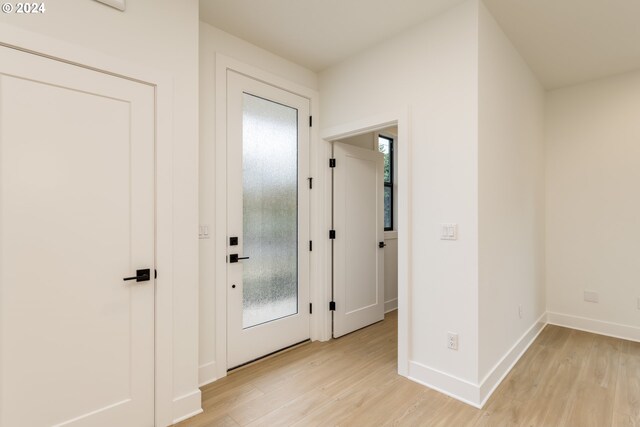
[[386, 141], [365, 254], [386, 134]]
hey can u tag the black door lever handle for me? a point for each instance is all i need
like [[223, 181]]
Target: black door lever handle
[[382, 245], [143, 275], [235, 258]]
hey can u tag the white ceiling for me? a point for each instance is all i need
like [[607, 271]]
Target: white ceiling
[[318, 33], [564, 41], [572, 41]]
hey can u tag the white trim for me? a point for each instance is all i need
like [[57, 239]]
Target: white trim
[[116, 4], [390, 305], [37, 44], [400, 118], [317, 258], [501, 369], [187, 406], [478, 395], [462, 390], [390, 235], [221, 216], [186, 417], [207, 373], [465, 391], [164, 250], [366, 125], [610, 329]]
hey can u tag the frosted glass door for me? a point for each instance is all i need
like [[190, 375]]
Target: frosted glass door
[[270, 210], [267, 219]]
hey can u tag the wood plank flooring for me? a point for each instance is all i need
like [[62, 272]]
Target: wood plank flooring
[[566, 378]]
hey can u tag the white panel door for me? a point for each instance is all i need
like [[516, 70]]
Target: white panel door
[[76, 218], [358, 259], [268, 215]]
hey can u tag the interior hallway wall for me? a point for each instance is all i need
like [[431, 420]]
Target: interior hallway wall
[[593, 208], [435, 74], [511, 201], [161, 36]]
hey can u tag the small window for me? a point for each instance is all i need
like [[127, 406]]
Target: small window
[[385, 146]]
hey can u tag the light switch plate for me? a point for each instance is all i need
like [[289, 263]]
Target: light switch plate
[[203, 232]]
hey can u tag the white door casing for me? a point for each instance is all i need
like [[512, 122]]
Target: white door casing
[[76, 216], [246, 344], [358, 287]]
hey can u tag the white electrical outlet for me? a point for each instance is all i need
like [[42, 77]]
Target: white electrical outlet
[[591, 296], [448, 231], [520, 311], [452, 341]]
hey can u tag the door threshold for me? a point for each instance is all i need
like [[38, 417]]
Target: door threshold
[[268, 356]]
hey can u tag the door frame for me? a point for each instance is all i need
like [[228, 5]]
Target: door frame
[[54, 49], [317, 259], [375, 123]]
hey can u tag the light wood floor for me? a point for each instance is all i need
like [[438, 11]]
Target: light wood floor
[[566, 378]]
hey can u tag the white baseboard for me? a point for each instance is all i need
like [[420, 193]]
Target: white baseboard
[[465, 391], [457, 388], [601, 327], [390, 305], [187, 406], [207, 373], [493, 379]]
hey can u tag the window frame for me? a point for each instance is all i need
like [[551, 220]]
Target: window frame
[[389, 184]]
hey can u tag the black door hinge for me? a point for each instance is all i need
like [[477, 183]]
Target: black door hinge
[[155, 274], [310, 245], [332, 234], [310, 183], [332, 306], [310, 121], [332, 163], [310, 308]]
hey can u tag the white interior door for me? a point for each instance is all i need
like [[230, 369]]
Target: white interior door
[[76, 217], [358, 259], [268, 219]]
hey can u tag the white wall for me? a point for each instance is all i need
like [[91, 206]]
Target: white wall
[[511, 196], [212, 41], [593, 208], [162, 36], [435, 75]]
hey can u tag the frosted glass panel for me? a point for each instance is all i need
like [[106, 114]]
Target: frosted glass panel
[[270, 210]]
